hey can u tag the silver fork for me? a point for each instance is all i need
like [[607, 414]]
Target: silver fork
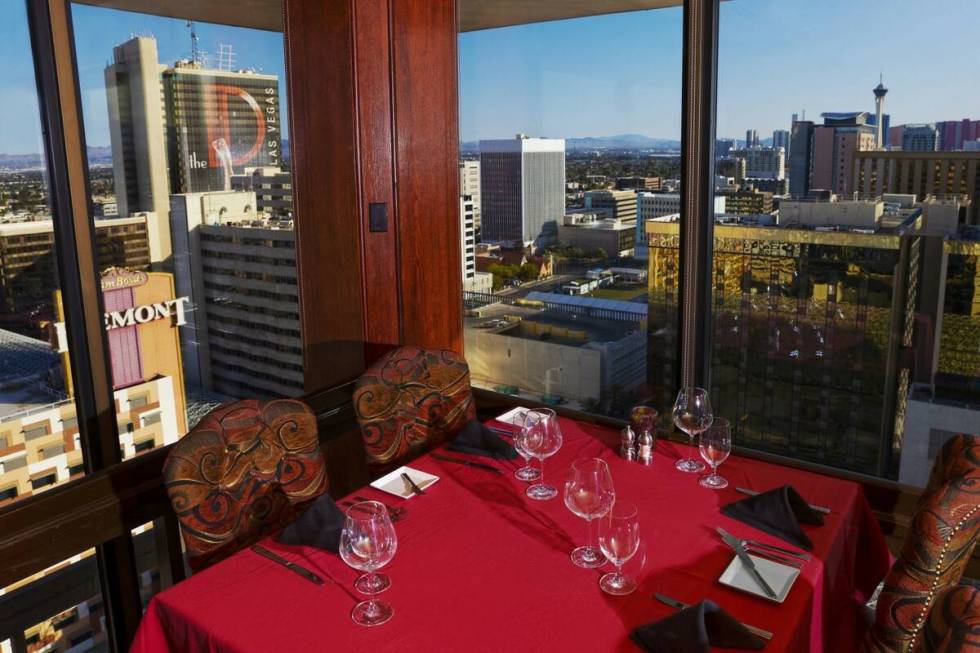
[[776, 549], [395, 516], [775, 557]]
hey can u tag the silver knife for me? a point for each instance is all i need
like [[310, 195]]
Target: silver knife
[[674, 603], [415, 488], [813, 507], [746, 562], [291, 566]]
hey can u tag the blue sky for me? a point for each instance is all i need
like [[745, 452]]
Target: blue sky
[[603, 75], [97, 30], [622, 73]]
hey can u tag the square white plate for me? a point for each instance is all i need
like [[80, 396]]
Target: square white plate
[[393, 483], [513, 416], [780, 577]]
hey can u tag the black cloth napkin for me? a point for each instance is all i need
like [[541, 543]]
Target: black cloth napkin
[[319, 526], [778, 512], [695, 630], [477, 439]]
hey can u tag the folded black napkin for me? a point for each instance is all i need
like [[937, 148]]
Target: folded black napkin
[[778, 512], [319, 526], [695, 630], [477, 439]]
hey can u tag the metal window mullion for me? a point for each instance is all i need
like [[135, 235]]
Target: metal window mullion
[[699, 94], [53, 48]]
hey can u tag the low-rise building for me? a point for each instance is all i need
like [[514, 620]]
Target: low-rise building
[[859, 214], [589, 231]]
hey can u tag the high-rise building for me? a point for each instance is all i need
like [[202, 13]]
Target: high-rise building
[[943, 175], [834, 146], [137, 133], [273, 188], [920, 138], [522, 189], [469, 184], [953, 134], [800, 158], [723, 146], [780, 138], [751, 138], [621, 203], [473, 280], [763, 162], [183, 129], [650, 206], [748, 201], [29, 272], [803, 372], [242, 332], [731, 166], [880, 130]]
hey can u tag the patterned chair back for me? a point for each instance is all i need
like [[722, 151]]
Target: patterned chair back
[[937, 548], [409, 401], [241, 473], [954, 622]]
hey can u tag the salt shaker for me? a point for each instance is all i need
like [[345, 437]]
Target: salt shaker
[[644, 447], [627, 440]]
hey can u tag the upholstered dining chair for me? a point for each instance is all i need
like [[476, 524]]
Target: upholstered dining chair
[[411, 400], [242, 473], [953, 625], [939, 544]]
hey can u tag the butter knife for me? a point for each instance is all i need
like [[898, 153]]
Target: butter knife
[[291, 566], [415, 488], [815, 508], [674, 603], [746, 562]]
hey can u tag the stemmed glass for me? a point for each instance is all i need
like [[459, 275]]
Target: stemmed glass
[[715, 445], [541, 438], [525, 473], [619, 539], [367, 543], [589, 494], [692, 414]]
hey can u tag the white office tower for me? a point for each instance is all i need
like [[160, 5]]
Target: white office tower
[[134, 94], [469, 184], [522, 190]]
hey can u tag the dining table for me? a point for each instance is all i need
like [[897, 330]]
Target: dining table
[[482, 567]]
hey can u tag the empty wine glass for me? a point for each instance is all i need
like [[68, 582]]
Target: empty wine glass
[[692, 414], [367, 543], [525, 473], [540, 437], [589, 494], [715, 445], [619, 539]]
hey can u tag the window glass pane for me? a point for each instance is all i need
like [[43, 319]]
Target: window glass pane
[[191, 195], [39, 444], [845, 324], [58, 609], [561, 303]]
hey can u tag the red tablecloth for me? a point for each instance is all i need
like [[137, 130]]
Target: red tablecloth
[[482, 568]]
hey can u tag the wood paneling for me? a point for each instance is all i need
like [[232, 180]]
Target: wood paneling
[[320, 82], [426, 166], [380, 249]]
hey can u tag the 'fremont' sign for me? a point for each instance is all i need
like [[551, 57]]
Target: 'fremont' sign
[[147, 313]]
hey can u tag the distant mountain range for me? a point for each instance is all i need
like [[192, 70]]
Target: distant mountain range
[[97, 156], [617, 142]]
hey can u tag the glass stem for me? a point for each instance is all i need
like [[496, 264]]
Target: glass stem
[[588, 523], [690, 444], [541, 480]]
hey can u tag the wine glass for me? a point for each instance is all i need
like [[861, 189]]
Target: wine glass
[[367, 543], [692, 414], [715, 445], [540, 437], [525, 473], [619, 539], [589, 494]]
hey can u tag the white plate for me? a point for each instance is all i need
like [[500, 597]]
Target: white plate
[[513, 416], [780, 577], [393, 483]]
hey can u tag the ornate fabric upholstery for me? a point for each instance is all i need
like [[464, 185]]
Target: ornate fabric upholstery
[[411, 400], [954, 622], [939, 544], [241, 473]]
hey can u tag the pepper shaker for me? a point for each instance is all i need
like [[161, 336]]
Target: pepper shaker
[[627, 441], [645, 443]]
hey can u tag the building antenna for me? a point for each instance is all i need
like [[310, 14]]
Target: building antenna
[[195, 43]]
